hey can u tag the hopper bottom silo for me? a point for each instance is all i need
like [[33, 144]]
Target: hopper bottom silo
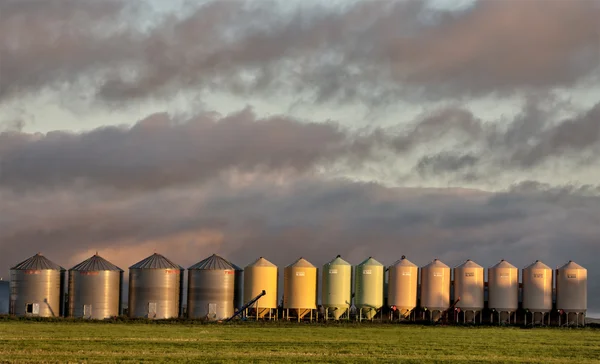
[[301, 313], [337, 311]]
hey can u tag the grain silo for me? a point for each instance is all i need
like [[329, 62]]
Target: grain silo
[[571, 292], [402, 287], [37, 286], [468, 290], [95, 289], [211, 289], [238, 289], [336, 287], [155, 288], [503, 290], [368, 289], [300, 289], [4, 297], [435, 288], [259, 276], [537, 290]]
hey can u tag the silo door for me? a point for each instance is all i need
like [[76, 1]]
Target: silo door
[[212, 310], [87, 311], [151, 309]]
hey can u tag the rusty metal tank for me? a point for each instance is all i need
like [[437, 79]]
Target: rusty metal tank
[[238, 294], [435, 286], [4, 297], [95, 289], [336, 287], [402, 286], [469, 286], [211, 289], [368, 289], [37, 286], [155, 288], [258, 276], [503, 287], [537, 287], [571, 288], [300, 287]]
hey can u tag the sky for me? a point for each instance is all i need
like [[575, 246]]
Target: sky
[[431, 129]]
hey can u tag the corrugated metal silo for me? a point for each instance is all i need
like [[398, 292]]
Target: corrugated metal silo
[[211, 289], [238, 294], [402, 287], [155, 288], [95, 289], [571, 290], [469, 288], [537, 288], [4, 297], [503, 289], [37, 286], [435, 287], [368, 290], [258, 276], [300, 288], [336, 291]]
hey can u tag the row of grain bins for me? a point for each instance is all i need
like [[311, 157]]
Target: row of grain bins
[[218, 288]]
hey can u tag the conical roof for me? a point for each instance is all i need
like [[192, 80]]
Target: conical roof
[[469, 264], [338, 261], [156, 261], [538, 264], [301, 263], [37, 262], [504, 264], [404, 263], [94, 264], [261, 262], [214, 262], [571, 265], [436, 263], [370, 261]]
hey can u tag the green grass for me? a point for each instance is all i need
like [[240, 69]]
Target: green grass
[[31, 341]]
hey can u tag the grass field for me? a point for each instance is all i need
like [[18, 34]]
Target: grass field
[[29, 341]]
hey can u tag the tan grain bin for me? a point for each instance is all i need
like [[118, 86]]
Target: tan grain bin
[[402, 286], [258, 276], [571, 288], [300, 287], [469, 286], [435, 286], [537, 287], [503, 287], [336, 287]]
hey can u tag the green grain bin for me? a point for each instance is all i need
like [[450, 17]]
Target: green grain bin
[[336, 294], [368, 290]]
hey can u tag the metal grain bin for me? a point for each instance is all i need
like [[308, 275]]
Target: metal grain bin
[[300, 288], [238, 294], [95, 289], [211, 289], [503, 287], [537, 287], [155, 288], [336, 289], [368, 289], [4, 297], [258, 276], [37, 286], [402, 286], [469, 288], [435, 287], [571, 288]]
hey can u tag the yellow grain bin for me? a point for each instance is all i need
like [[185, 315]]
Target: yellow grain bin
[[435, 286], [300, 287], [402, 287], [258, 276]]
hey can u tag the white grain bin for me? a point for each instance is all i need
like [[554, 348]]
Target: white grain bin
[[571, 291], [537, 289], [402, 286], [435, 288], [468, 289], [503, 290]]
